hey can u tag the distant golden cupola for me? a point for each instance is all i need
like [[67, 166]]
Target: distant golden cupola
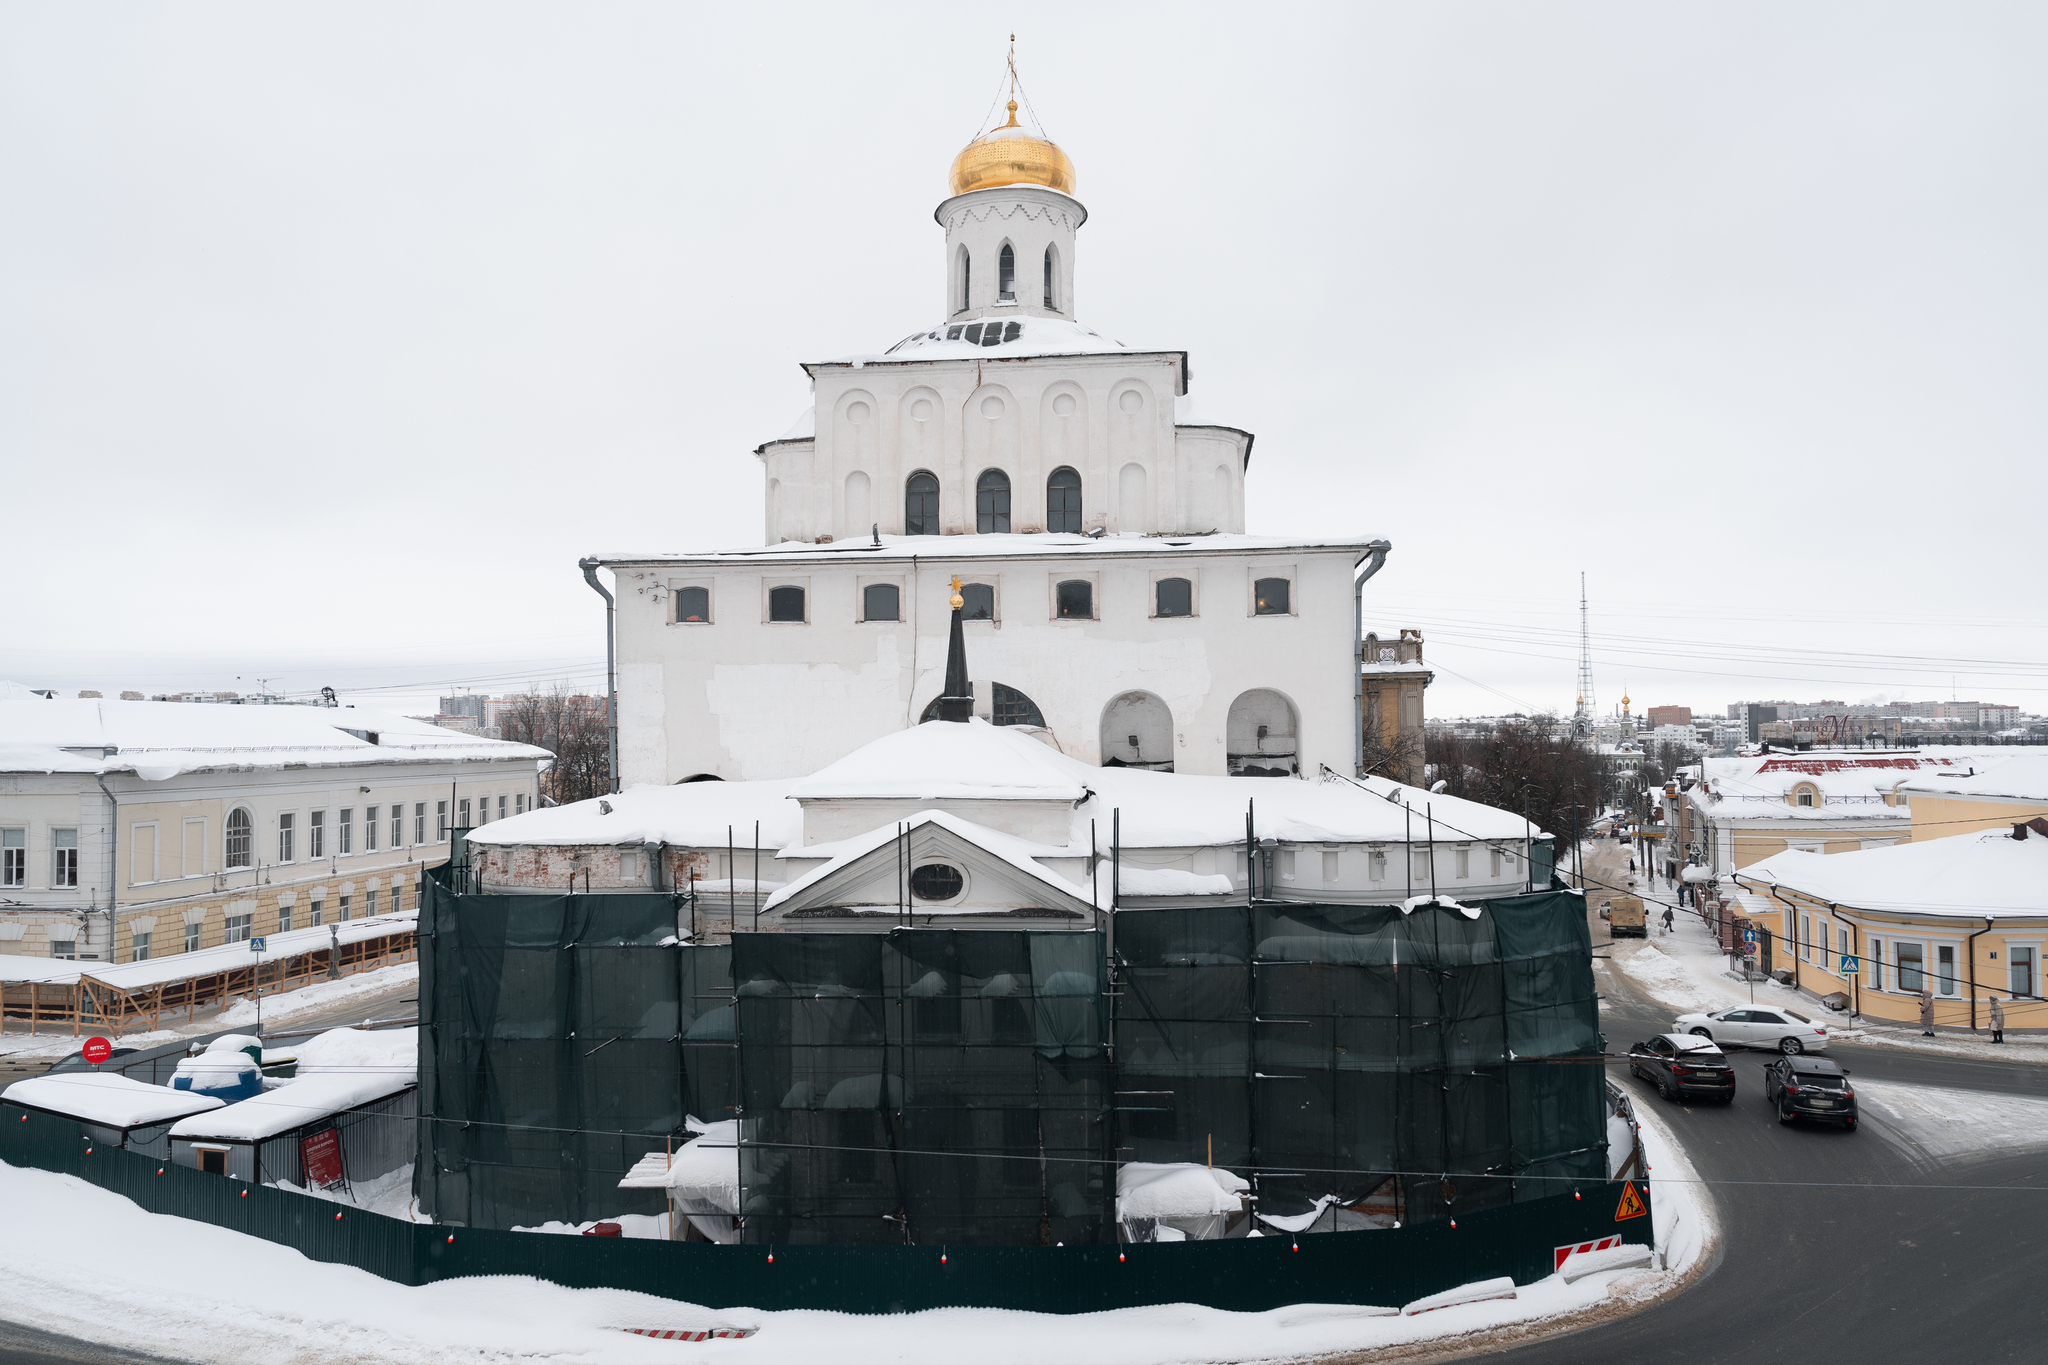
[[1010, 156]]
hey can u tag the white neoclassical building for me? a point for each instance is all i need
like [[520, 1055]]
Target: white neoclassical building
[[1115, 602]]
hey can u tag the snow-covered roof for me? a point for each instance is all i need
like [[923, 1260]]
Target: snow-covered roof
[[1017, 853], [295, 1105], [1851, 785], [1976, 876], [2014, 779], [944, 761], [1017, 545], [108, 1100], [203, 961], [159, 740], [976, 761], [707, 1167], [1017, 337], [351, 1051]]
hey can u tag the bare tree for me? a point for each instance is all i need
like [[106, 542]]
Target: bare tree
[[1527, 764], [571, 725]]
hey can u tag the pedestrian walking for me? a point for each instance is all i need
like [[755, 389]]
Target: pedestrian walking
[[1926, 1012], [1997, 1021], [1667, 919], [1631, 865]]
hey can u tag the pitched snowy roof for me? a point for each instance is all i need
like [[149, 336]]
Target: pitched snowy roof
[[1851, 785], [160, 740], [203, 961], [2014, 779], [976, 761], [1967, 875], [295, 1105], [943, 761], [1019, 854], [108, 1100], [1017, 545], [1018, 337]]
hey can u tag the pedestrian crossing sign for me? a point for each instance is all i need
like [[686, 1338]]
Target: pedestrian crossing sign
[[1631, 1203], [1850, 966]]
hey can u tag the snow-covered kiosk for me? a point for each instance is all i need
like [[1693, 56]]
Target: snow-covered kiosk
[[361, 1087], [112, 1110]]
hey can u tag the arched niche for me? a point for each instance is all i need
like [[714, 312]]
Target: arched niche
[[1133, 509], [1262, 736], [860, 503], [1137, 732]]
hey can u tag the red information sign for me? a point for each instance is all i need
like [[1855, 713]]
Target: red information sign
[[96, 1050], [322, 1154]]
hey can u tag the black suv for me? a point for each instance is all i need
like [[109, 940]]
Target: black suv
[[1804, 1087], [1683, 1064]]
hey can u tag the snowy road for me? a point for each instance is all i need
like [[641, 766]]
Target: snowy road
[[1915, 1238]]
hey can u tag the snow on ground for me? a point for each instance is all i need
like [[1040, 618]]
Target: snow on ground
[[257, 1302], [278, 1008], [1680, 1205], [278, 1011], [1937, 1123], [389, 1194]]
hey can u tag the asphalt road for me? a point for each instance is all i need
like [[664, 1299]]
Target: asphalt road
[[1819, 1261], [26, 1346]]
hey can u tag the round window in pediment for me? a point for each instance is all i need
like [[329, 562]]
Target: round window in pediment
[[936, 882]]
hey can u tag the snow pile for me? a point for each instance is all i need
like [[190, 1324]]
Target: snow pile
[[1666, 977], [1179, 1189], [329, 993], [1937, 1123], [389, 1194], [258, 1302], [388, 1052], [108, 1100]]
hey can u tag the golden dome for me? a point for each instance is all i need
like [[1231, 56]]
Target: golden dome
[[1010, 156]]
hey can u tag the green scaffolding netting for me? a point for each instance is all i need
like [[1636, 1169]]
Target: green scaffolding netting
[[980, 1086]]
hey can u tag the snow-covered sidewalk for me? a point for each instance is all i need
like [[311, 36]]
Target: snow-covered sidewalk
[[256, 1302]]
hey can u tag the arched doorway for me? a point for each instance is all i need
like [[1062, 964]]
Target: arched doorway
[[1137, 732], [1262, 735]]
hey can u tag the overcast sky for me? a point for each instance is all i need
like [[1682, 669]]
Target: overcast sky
[[331, 336]]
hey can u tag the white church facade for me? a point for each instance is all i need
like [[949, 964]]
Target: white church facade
[[1115, 604]]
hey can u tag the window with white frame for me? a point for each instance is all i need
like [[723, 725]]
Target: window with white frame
[[419, 822], [1912, 967], [501, 807], [316, 834], [344, 830], [1945, 968], [140, 945], [238, 928], [441, 820], [369, 903], [13, 857], [461, 814], [316, 914], [519, 804], [240, 850], [285, 833], [64, 949], [341, 908], [370, 814], [2021, 962], [64, 857], [284, 919], [397, 825], [192, 938], [397, 897], [1873, 965]]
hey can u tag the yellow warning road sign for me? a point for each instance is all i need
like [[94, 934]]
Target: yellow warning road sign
[[1631, 1205]]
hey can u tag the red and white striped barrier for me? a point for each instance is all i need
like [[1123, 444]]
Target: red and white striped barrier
[[1580, 1248], [683, 1334]]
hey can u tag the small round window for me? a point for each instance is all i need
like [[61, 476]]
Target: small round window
[[936, 882]]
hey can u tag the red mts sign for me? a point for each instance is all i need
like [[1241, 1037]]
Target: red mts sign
[[322, 1155], [96, 1050]]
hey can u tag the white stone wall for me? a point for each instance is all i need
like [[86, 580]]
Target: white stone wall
[[743, 698], [1029, 218]]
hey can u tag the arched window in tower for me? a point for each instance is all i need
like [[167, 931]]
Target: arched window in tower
[[965, 295], [992, 503], [1006, 275], [1063, 500], [921, 505], [1051, 295]]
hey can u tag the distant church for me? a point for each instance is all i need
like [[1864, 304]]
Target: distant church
[[1114, 604]]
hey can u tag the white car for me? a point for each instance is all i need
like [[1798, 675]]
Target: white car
[[1756, 1026]]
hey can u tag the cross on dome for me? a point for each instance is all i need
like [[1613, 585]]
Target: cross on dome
[[1008, 155]]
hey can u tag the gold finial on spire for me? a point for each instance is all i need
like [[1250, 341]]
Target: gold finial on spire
[[956, 603], [1013, 115], [1009, 155]]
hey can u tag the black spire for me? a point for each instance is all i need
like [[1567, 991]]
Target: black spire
[[957, 701]]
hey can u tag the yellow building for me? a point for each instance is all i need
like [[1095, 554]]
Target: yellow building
[[1960, 911]]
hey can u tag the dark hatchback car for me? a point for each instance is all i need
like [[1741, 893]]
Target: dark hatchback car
[[1684, 1066], [1810, 1088]]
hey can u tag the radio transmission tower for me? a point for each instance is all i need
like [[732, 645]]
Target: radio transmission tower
[[1582, 717]]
